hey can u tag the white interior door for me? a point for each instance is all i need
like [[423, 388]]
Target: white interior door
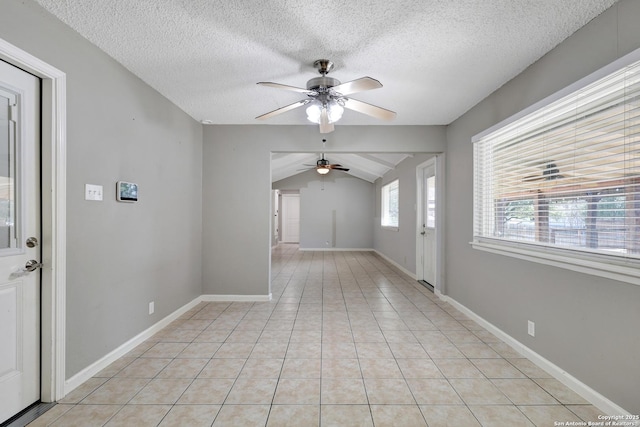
[[19, 240], [427, 235], [291, 218]]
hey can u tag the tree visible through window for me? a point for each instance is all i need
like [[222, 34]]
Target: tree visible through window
[[390, 198]]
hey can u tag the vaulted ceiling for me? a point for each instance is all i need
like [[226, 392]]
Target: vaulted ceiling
[[435, 58], [368, 167]]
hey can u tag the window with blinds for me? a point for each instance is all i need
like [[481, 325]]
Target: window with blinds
[[566, 176]]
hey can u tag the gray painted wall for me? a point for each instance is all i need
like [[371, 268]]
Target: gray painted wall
[[120, 256], [336, 210], [400, 245], [586, 325], [237, 196]]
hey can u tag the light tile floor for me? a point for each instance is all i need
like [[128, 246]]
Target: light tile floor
[[346, 341]]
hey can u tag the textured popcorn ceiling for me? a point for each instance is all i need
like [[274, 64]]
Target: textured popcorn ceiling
[[435, 58]]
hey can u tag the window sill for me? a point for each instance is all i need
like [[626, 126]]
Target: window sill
[[624, 270], [390, 228]]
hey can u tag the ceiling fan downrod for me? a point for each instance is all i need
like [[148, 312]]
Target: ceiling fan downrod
[[323, 66]]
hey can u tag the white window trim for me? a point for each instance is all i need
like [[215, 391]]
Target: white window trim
[[594, 264], [610, 267]]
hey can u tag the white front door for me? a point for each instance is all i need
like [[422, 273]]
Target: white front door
[[427, 228], [19, 240], [291, 218]]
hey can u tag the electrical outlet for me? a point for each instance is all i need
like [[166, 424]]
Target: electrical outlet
[[152, 307], [531, 328]]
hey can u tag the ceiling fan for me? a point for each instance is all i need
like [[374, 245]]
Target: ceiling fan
[[550, 172], [323, 166], [327, 98]]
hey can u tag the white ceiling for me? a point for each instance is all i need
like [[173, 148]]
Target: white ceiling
[[435, 58]]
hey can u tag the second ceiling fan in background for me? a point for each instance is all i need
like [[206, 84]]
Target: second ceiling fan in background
[[323, 166]]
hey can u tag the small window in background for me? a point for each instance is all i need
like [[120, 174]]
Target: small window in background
[[390, 197]]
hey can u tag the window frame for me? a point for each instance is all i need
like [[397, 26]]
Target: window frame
[[384, 195], [611, 266]]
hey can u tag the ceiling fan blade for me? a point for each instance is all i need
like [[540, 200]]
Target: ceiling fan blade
[[368, 109], [341, 169], [287, 87], [282, 110], [358, 85], [325, 126], [335, 165], [328, 128]]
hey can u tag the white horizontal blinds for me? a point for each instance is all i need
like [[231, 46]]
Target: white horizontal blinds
[[568, 174], [483, 209]]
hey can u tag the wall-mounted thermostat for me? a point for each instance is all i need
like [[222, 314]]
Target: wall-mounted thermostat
[[126, 191]]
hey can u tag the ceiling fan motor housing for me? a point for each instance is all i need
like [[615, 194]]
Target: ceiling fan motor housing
[[322, 162], [323, 82]]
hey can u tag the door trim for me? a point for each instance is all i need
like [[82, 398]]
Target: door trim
[[438, 161], [54, 181]]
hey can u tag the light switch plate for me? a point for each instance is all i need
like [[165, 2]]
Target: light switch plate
[[92, 192]]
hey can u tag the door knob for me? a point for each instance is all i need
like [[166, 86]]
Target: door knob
[[32, 265]]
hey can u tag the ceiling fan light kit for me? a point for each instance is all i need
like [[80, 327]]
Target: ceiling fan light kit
[[327, 98], [334, 111]]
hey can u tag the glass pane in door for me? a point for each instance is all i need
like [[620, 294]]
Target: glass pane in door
[[431, 202], [7, 173]]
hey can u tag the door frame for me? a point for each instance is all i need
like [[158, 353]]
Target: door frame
[[54, 181], [438, 162]]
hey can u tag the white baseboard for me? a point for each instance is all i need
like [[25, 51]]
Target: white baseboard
[[236, 298], [595, 398], [337, 249], [396, 265], [111, 357], [114, 355]]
